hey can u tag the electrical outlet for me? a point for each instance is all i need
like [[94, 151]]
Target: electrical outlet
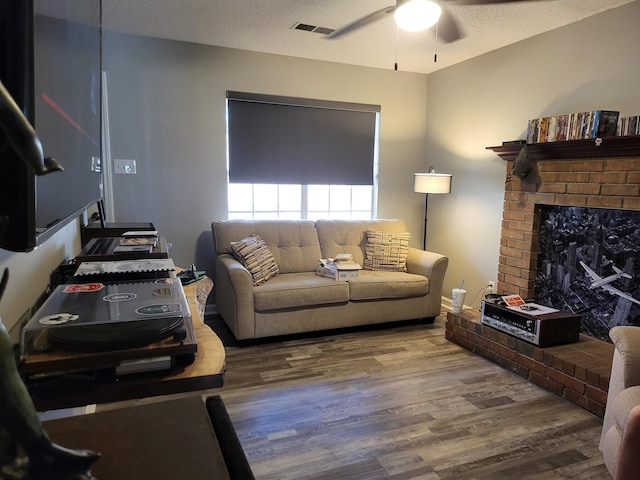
[[491, 287]]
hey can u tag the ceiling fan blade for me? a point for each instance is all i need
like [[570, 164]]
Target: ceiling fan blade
[[448, 30], [366, 20]]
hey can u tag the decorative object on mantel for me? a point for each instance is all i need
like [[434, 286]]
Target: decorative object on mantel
[[20, 425], [427, 183], [524, 168]]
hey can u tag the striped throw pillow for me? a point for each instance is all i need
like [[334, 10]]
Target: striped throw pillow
[[254, 254], [386, 251]]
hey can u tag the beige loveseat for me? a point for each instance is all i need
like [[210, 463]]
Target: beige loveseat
[[298, 300], [624, 392]]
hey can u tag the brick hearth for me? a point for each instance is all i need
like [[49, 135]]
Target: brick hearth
[[578, 371], [582, 175]]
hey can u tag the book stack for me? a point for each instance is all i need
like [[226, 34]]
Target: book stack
[[574, 126], [141, 241], [630, 125], [340, 268]]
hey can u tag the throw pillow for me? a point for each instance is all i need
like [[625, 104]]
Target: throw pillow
[[254, 254], [386, 251]]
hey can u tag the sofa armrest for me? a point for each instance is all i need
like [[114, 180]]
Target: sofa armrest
[[234, 296], [433, 266], [627, 342]]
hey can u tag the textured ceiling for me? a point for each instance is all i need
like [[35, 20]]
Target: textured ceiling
[[266, 26]]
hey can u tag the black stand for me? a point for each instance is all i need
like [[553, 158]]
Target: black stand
[[424, 235]]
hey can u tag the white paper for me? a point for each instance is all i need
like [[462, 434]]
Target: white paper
[[531, 308]]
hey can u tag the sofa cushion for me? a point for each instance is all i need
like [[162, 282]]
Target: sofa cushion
[[297, 290], [254, 254], [350, 236], [386, 251], [376, 285], [293, 243]]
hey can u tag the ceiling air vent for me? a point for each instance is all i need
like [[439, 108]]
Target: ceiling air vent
[[305, 27]]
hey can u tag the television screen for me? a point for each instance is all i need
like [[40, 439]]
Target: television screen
[[67, 108], [50, 62]]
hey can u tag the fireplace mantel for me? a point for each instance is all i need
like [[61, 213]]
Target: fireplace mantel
[[628, 146]]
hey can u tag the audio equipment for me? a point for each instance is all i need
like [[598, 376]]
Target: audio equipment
[[541, 330], [97, 326]]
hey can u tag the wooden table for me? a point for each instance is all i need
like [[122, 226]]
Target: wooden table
[[207, 370]]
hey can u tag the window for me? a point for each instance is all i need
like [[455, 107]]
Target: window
[[294, 202], [292, 158]]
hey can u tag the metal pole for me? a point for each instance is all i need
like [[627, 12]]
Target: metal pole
[[424, 237]]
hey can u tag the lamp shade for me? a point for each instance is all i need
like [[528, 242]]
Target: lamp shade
[[432, 183]]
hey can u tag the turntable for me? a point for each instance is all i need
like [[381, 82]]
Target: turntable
[[95, 326]]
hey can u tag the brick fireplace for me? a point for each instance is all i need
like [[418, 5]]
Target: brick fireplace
[[576, 173], [609, 182]]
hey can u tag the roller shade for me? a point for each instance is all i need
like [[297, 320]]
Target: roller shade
[[288, 140]]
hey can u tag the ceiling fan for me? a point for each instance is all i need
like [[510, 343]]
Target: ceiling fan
[[417, 15]]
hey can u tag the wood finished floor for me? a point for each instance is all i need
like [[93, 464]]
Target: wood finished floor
[[399, 403]]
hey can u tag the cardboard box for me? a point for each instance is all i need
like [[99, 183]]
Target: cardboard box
[[336, 274]]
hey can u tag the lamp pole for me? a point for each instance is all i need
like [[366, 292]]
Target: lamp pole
[[424, 233]]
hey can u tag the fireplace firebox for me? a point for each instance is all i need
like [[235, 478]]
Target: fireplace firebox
[[588, 260]]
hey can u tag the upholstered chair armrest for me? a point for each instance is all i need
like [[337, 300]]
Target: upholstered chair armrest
[[234, 296], [625, 373], [627, 342]]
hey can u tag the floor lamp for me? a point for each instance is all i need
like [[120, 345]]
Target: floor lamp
[[427, 183]]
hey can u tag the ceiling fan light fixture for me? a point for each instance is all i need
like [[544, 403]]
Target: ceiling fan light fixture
[[417, 15]]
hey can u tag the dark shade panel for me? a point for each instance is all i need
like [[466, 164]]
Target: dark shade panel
[[282, 140]]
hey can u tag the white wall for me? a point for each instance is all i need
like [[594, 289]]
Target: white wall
[[29, 273], [167, 111], [482, 102]]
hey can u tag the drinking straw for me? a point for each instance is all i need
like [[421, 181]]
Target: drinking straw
[[462, 284]]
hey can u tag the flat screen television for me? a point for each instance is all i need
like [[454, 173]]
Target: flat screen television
[[50, 63]]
